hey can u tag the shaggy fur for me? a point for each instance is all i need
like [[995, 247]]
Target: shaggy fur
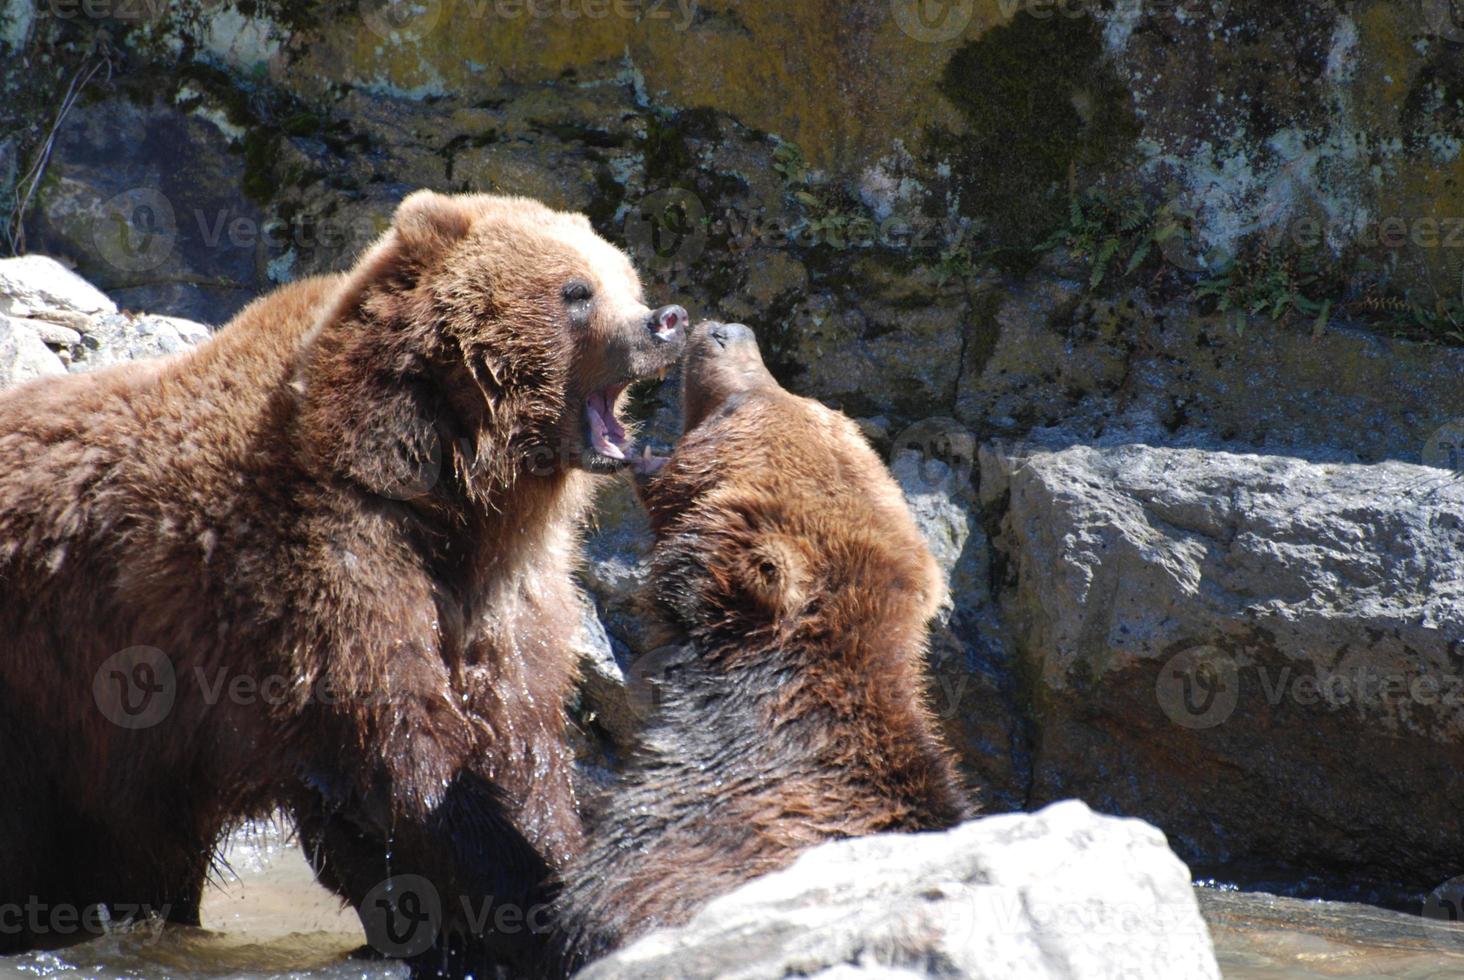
[[794, 712], [362, 498]]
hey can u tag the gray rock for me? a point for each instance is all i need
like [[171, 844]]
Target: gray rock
[[146, 200], [120, 337], [614, 571], [1054, 358], [1193, 614], [54, 334], [603, 682], [1063, 893], [932, 494], [34, 284], [970, 677], [23, 355]]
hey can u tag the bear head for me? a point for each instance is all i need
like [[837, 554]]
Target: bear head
[[776, 524], [481, 339]]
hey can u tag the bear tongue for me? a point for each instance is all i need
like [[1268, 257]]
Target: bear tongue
[[606, 433]]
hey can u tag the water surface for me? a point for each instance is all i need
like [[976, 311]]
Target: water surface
[[267, 917]]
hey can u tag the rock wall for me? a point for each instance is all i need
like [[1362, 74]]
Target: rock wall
[[1011, 224]]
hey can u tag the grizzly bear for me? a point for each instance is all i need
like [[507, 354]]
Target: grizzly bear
[[323, 562], [792, 709]]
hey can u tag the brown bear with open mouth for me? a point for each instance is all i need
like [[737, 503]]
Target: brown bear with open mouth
[[322, 562], [787, 565]]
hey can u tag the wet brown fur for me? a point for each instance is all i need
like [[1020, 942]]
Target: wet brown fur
[[795, 712], [362, 492]]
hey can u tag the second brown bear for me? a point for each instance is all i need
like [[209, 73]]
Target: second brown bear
[[788, 566]]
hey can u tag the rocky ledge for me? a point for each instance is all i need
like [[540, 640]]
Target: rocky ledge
[[1064, 893], [52, 321]]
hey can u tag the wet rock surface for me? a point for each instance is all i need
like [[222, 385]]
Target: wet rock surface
[[1204, 634], [1269, 937], [1062, 893]]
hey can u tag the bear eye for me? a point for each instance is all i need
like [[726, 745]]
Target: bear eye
[[577, 292]]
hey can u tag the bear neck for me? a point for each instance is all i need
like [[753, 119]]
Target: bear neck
[[830, 710]]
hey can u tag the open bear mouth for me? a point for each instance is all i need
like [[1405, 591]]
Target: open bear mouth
[[609, 443], [608, 437]]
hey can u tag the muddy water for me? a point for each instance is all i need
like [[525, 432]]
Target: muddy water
[[1262, 937], [268, 918]]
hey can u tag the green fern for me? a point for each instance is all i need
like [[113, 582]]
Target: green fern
[[1270, 283], [1107, 231]]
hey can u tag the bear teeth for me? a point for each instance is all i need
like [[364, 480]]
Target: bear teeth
[[607, 435]]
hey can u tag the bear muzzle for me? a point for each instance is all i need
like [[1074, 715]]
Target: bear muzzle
[[653, 354]]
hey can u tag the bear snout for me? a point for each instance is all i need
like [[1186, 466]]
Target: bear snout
[[711, 337], [669, 323], [727, 334]]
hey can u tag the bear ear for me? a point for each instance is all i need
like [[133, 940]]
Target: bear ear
[[381, 428], [775, 574], [428, 222]]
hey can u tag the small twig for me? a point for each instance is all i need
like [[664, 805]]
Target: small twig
[[15, 234]]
